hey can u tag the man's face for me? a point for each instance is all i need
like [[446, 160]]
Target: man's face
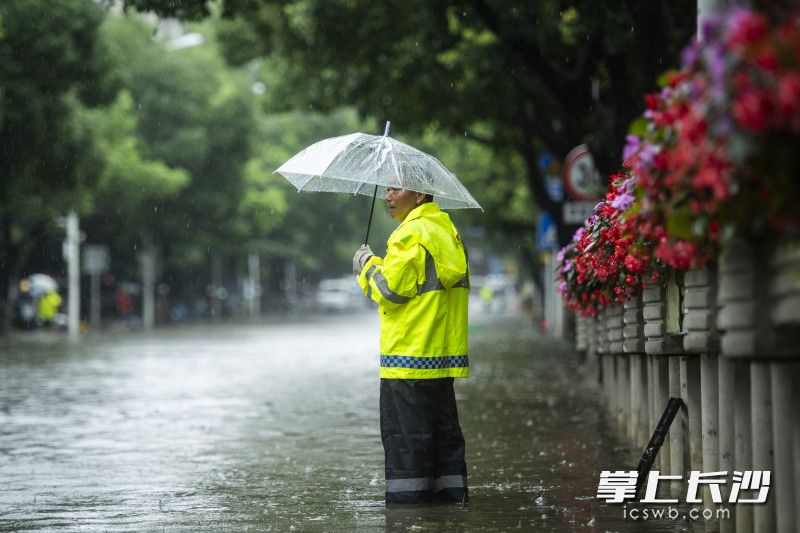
[[401, 201]]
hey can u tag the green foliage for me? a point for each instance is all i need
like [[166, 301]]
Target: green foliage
[[46, 64], [50, 67], [530, 76], [196, 114], [127, 175]]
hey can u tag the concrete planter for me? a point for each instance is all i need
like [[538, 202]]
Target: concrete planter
[[614, 327], [633, 330], [700, 311], [601, 333], [784, 304], [583, 333], [759, 320], [638, 423], [739, 320], [661, 315]]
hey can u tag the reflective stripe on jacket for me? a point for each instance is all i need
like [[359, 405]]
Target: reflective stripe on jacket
[[422, 291]]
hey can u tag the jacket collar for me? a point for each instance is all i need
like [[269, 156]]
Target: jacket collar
[[428, 208]]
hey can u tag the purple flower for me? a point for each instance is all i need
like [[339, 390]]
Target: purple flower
[[562, 287], [632, 144], [622, 201], [560, 255], [578, 234], [690, 54], [568, 265], [715, 58], [647, 153], [709, 28]]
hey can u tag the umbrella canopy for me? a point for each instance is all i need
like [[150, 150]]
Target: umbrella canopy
[[359, 162], [41, 284]]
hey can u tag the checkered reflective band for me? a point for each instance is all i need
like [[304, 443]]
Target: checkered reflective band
[[408, 361]]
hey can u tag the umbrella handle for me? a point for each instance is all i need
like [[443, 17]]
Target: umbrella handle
[[375, 193], [371, 210]]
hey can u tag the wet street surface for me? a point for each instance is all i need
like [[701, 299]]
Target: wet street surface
[[274, 427]]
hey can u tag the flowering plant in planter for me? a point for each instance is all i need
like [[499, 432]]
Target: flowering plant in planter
[[718, 153], [609, 258]]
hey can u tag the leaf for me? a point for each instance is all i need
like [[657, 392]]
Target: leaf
[[679, 223], [663, 79], [638, 127]]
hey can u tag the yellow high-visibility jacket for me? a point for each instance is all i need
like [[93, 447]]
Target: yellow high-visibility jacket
[[422, 291]]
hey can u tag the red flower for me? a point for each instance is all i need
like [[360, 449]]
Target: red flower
[[752, 110], [768, 61], [789, 99], [749, 29]]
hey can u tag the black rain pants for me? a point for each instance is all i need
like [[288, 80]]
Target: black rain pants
[[422, 441]]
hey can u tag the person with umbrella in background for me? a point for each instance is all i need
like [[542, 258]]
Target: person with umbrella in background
[[421, 287]]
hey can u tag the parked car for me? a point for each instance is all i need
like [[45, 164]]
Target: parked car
[[339, 294]]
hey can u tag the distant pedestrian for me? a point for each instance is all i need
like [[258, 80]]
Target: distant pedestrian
[[122, 301], [47, 307], [422, 290]]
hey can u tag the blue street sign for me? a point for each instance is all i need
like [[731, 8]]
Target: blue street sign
[[546, 236]]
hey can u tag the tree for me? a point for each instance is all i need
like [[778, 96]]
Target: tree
[[523, 78], [194, 114], [49, 65], [128, 185]]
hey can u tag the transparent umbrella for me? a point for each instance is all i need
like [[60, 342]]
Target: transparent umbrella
[[360, 163], [41, 284]]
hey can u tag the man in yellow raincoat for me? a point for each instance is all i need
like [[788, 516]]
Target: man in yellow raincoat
[[421, 287], [47, 307]]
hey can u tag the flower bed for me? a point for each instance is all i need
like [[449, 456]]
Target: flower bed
[[714, 154]]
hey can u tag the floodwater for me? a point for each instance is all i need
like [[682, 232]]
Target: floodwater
[[274, 427]]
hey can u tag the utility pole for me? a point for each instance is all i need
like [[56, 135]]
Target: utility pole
[[147, 261], [253, 293], [72, 256]]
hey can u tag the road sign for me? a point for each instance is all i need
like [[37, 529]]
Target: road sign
[[546, 235], [577, 212], [95, 259], [550, 168], [581, 178], [555, 187]]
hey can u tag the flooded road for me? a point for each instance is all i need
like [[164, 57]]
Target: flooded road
[[274, 427]]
